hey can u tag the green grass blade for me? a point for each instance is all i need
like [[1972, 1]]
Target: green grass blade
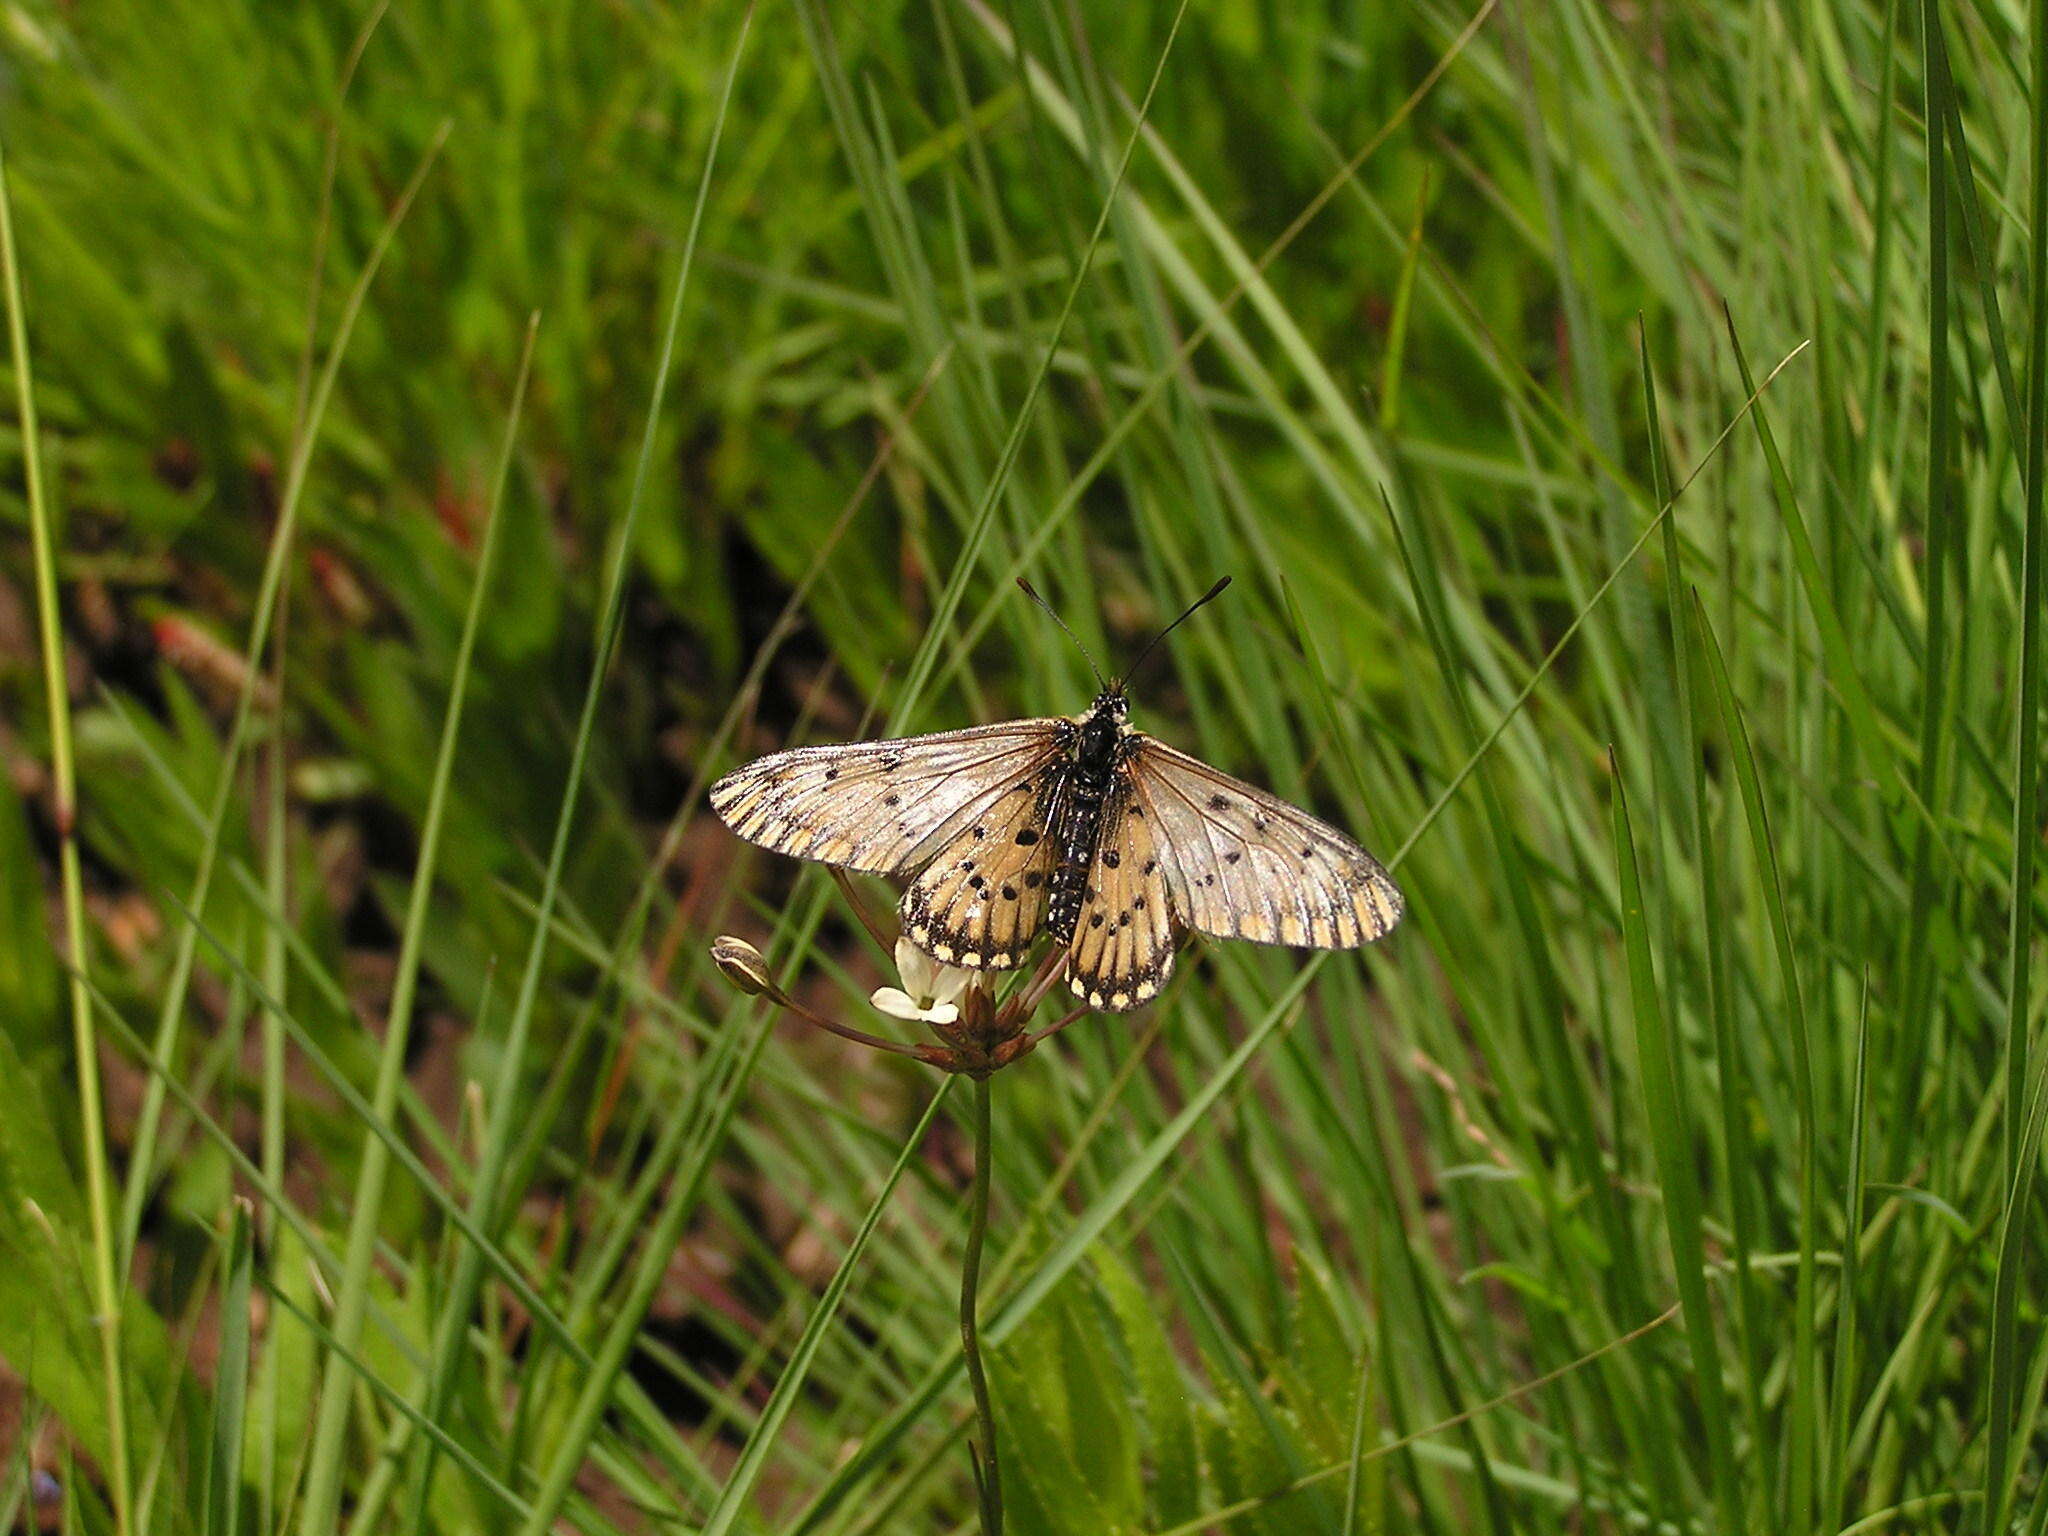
[[1941, 89], [1803, 1427], [487, 1204], [1917, 1017], [387, 1133], [170, 1015], [1671, 1141], [2002, 1468], [1736, 1158], [223, 1495], [1846, 1299], [918, 673], [324, 1472], [722, 1083], [2022, 1141], [393, 1398], [1397, 326], [106, 1265], [1064, 1255], [1842, 669], [753, 1458]]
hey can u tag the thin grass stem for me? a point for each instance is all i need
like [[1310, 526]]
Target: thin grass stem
[[107, 1289], [170, 1013], [324, 1475]]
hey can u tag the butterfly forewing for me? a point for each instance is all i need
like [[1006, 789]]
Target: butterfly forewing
[[1245, 865], [981, 902], [882, 807], [1122, 949]]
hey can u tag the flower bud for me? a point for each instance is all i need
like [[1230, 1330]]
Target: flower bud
[[743, 966]]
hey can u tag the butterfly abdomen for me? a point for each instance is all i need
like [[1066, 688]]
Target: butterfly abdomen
[[1098, 746], [1074, 854]]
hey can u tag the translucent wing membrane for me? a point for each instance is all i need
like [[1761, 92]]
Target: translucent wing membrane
[[1245, 865], [1122, 949], [981, 901], [991, 821], [881, 807]]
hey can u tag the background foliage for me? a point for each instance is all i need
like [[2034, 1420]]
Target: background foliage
[[1672, 1167]]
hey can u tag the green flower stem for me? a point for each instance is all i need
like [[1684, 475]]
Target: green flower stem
[[987, 1475]]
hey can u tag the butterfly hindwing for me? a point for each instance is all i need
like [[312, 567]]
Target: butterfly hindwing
[[881, 807], [981, 902], [1122, 949], [1246, 865]]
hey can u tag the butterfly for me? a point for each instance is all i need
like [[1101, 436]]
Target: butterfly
[[1080, 827]]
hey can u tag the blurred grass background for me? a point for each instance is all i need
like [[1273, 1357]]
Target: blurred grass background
[[1625, 424]]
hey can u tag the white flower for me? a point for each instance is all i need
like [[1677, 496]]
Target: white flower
[[928, 991], [899, 1004]]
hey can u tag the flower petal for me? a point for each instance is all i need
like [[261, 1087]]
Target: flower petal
[[925, 978], [899, 1004]]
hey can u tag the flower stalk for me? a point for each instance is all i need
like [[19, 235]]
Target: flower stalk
[[988, 1485], [978, 1034]]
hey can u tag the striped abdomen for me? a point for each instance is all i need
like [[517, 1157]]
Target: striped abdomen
[[1074, 833]]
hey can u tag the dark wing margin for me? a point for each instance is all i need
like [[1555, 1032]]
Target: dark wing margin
[[1124, 939], [881, 807], [1247, 865]]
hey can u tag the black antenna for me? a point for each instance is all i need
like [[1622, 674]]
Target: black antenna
[[1032, 593], [1207, 597]]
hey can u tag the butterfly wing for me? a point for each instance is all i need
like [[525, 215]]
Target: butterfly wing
[[1122, 949], [881, 807], [1246, 865], [981, 901]]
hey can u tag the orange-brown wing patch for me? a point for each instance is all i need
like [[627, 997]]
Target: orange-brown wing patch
[[981, 901], [1122, 949]]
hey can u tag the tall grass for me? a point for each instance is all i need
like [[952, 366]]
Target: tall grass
[[106, 1287], [1624, 427]]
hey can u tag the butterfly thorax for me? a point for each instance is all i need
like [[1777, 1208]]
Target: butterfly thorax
[[1098, 742]]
